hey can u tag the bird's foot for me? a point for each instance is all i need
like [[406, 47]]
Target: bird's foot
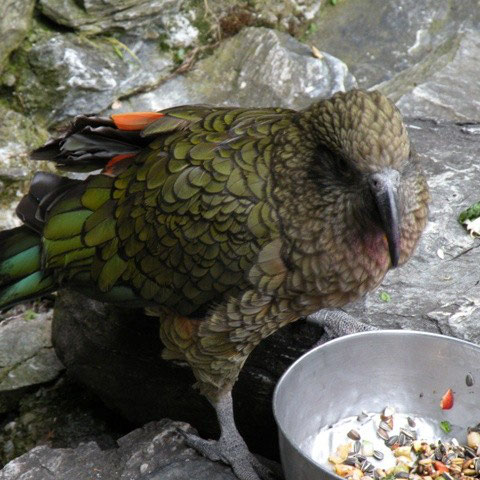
[[233, 451], [337, 323]]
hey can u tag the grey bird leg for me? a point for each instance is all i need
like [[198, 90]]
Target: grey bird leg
[[231, 448], [337, 323]]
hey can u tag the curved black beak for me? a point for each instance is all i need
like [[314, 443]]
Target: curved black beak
[[384, 186]]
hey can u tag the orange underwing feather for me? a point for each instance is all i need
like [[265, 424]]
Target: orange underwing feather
[[135, 120], [111, 166]]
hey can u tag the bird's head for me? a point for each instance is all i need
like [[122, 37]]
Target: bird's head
[[362, 137]]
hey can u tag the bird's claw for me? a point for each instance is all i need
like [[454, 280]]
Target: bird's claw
[[337, 323], [235, 453]]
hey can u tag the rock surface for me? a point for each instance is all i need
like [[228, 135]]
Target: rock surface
[[94, 17], [15, 20], [258, 67], [154, 452], [74, 75], [440, 87], [26, 356], [378, 39]]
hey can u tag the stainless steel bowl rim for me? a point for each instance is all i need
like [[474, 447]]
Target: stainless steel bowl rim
[[341, 340]]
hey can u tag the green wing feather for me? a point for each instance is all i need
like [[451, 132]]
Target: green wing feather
[[184, 223]]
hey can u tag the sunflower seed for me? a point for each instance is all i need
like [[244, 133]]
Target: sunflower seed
[[384, 426], [391, 441], [367, 467], [357, 446], [402, 475], [378, 454], [408, 433], [469, 452], [469, 380], [411, 422], [402, 439], [353, 434], [447, 476], [438, 454], [382, 433], [352, 461]]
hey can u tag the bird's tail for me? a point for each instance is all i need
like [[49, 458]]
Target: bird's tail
[[21, 274], [21, 277]]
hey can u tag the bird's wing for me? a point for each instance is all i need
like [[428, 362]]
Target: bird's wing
[[184, 222]]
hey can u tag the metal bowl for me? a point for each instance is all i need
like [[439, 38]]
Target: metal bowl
[[368, 371]]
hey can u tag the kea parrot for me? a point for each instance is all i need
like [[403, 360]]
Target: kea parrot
[[227, 223]]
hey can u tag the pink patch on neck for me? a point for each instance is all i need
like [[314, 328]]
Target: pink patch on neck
[[375, 246]]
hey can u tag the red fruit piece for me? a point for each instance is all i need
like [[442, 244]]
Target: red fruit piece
[[440, 467], [446, 403]]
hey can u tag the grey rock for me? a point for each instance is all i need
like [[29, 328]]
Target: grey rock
[[15, 20], [258, 67], [126, 16], [156, 451], [26, 357], [76, 75], [180, 32], [440, 87], [438, 289], [379, 38]]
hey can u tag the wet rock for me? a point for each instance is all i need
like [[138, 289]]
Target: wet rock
[[440, 87], [438, 290], [15, 19], [154, 452], [258, 67], [378, 39], [26, 356], [118, 356], [73, 74], [60, 416], [95, 17]]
